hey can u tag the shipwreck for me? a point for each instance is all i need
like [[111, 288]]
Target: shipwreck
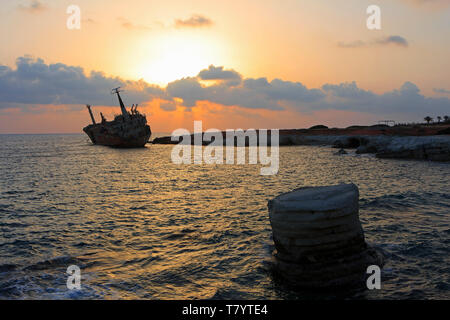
[[128, 129]]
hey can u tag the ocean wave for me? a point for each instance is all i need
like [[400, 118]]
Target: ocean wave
[[405, 200]]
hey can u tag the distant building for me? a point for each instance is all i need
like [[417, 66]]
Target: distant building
[[387, 122]]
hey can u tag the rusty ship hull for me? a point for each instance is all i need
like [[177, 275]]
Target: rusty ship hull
[[100, 135], [127, 130]]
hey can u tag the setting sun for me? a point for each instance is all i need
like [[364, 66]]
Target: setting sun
[[174, 56]]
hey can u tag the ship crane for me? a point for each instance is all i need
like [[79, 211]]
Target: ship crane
[[122, 106]]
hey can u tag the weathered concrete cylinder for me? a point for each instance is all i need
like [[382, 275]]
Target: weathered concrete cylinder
[[318, 237]]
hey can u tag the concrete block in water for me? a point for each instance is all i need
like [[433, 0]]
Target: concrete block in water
[[318, 237]]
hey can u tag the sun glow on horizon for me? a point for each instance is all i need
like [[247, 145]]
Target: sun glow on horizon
[[176, 56]]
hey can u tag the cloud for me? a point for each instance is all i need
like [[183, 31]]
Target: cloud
[[168, 106], [188, 89], [406, 99], [352, 44], [131, 26], [278, 95], [251, 93], [396, 40], [194, 21], [441, 90], [218, 73], [33, 82], [231, 77], [34, 7]]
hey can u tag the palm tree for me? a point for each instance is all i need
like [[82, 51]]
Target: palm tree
[[428, 119], [439, 119], [446, 118]]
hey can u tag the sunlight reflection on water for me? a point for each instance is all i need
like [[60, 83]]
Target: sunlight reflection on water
[[142, 227]]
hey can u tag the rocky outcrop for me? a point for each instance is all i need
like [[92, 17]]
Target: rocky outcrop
[[434, 148], [164, 140], [372, 144], [318, 237], [347, 142]]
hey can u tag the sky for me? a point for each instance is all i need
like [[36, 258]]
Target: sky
[[232, 64]]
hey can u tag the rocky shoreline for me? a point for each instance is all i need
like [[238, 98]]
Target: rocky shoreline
[[433, 146]]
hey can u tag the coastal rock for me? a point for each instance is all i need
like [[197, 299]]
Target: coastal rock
[[366, 149], [434, 148], [318, 237], [340, 152], [164, 140], [350, 142], [286, 140], [371, 144]]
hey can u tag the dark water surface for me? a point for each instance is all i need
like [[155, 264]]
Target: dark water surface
[[139, 226]]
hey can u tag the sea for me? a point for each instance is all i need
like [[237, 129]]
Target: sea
[[138, 226]]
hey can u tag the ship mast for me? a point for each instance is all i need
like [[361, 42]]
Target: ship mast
[[90, 112], [122, 106]]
